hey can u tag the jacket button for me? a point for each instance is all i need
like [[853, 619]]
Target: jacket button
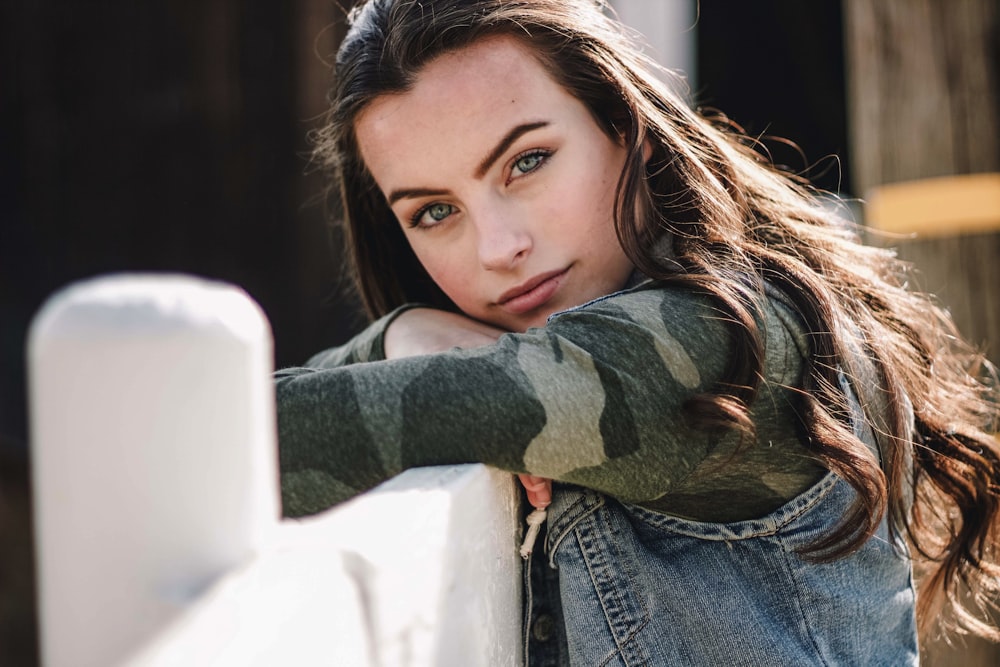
[[542, 628]]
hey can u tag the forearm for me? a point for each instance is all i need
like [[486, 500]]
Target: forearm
[[368, 345], [602, 411], [342, 431]]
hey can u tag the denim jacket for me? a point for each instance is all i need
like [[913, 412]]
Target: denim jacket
[[650, 589], [645, 588]]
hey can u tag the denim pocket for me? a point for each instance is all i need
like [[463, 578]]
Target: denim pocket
[[598, 581]]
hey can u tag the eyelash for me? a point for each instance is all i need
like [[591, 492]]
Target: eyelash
[[534, 152], [415, 218], [544, 154]]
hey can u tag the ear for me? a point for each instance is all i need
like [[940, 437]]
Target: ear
[[647, 150]]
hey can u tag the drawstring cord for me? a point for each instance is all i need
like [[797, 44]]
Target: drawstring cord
[[534, 521]]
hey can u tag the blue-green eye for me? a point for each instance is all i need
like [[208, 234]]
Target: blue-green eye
[[428, 216], [439, 212], [529, 162]]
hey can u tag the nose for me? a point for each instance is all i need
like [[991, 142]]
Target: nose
[[503, 240]]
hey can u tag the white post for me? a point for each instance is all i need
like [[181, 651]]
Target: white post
[[669, 28], [153, 455]]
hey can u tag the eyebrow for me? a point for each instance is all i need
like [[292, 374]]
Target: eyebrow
[[515, 133], [410, 193], [502, 145]]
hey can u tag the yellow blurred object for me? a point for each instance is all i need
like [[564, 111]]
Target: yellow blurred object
[[943, 206]]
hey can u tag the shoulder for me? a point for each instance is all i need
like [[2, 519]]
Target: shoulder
[[653, 304], [783, 321], [649, 302], [677, 324]]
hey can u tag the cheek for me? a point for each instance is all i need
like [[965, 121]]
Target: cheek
[[444, 266], [596, 185], [592, 200]]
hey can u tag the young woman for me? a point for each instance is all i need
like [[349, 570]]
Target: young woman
[[752, 424]]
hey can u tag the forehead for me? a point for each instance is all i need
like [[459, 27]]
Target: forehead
[[471, 96]]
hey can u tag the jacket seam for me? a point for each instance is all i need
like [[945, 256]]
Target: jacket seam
[[560, 529], [798, 600], [771, 526], [620, 644]]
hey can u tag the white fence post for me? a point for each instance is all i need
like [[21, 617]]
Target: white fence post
[[153, 455], [669, 28]]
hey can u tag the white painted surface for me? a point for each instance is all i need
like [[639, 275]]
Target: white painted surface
[[288, 607], [156, 507], [153, 455], [419, 572], [442, 574]]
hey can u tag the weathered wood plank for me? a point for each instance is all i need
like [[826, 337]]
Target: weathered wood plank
[[964, 272], [924, 95], [923, 88]]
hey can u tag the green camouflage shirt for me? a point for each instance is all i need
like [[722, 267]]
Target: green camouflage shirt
[[593, 398]]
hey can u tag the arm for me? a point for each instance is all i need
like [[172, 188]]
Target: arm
[[408, 331], [427, 331], [369, 345], [594, 398]]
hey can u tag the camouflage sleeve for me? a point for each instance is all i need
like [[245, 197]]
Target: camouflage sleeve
[[594, 398]]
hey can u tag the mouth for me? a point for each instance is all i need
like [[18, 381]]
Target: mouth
[[532, 293]]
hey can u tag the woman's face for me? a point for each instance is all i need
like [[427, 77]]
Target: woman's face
[[503, 183]]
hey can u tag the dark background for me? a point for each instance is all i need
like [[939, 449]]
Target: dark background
[[170, 135]]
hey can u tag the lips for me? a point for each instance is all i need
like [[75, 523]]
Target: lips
[[532, 293]]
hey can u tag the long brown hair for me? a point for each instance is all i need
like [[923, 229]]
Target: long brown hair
[[731, 222]]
